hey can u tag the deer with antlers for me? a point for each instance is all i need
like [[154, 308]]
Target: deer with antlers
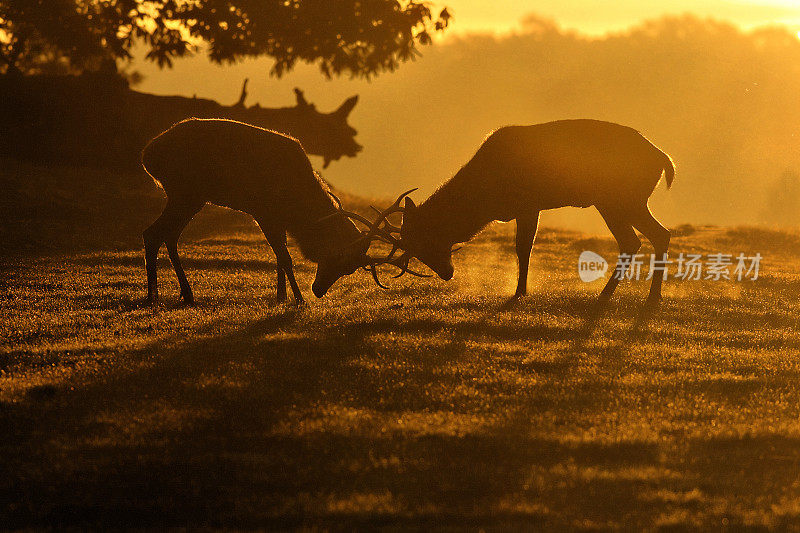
[[267, 175], [520, 171]]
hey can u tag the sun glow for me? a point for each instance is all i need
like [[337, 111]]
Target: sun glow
[[585, 16]]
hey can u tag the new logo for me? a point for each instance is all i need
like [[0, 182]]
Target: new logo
[[591, 266]]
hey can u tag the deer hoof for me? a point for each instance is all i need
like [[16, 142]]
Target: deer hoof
[[652, 302], [188, 297], [510, 303], [600, 305]]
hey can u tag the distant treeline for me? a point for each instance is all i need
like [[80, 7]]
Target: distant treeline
[[723, 102]]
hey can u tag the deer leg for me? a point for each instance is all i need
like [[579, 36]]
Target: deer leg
[[526, 233], [153, 238], [628, 244], [281, 285], [150, 262], [166, 230], [659, 237], [180, 220], [278, 244], [186, 289], [281, 278]]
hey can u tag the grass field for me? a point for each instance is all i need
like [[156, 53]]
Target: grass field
[[432, 404]]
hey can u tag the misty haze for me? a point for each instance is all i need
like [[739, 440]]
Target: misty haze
[[721, 101], [398, 265]]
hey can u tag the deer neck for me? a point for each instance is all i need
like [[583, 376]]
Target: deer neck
[[456, 212], [318, 238]]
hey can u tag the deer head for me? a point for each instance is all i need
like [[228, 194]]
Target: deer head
[[341, 263], [355, 255], [430, 247], [417, 238]]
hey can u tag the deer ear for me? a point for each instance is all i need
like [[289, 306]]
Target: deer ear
[[409, 205], [348, 105]]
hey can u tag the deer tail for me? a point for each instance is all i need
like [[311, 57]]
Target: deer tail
[[669, 168]]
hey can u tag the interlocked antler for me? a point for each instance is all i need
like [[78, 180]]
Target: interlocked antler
[[373, 231], [402, 261], [382, 230], [391, 228], [392, 209]]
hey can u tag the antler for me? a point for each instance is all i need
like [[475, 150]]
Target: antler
[[374, 231], [388, 226], [373, 269], [380, 229], [402, 263], [399, 262], [394, 208], [340, 211]]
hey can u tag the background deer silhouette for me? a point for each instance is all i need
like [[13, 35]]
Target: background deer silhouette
[[521, 170], [260, 172]]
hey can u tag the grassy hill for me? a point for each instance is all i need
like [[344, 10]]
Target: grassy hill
[[431, 404]]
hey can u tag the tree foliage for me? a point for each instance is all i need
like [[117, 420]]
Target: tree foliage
[[343, 37]]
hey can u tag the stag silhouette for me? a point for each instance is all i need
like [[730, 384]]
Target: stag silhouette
[[520, 171], [262, 173]]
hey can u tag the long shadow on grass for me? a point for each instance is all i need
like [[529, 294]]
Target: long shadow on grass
[[396, 421], [190, 263], [277, 426]]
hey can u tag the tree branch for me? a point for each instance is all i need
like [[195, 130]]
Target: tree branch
[[243, 95]]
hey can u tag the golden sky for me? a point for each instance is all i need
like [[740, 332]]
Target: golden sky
[[405, 118], [600, 16]]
